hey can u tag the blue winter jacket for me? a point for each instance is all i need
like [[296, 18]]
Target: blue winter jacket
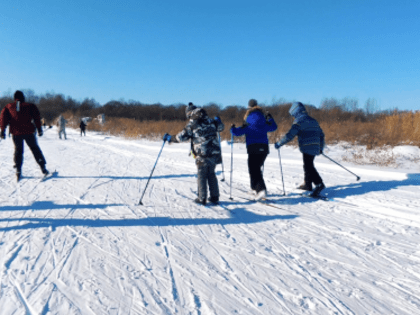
[[255, 130], [310, 134]]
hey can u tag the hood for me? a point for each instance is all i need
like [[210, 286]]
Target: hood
[[297, 109], [255, 117]]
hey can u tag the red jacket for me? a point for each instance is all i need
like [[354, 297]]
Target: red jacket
[[21, 122]]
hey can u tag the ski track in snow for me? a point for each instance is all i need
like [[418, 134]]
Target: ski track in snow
[[79, 243]]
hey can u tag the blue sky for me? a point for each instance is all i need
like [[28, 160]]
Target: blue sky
[[224, 52]]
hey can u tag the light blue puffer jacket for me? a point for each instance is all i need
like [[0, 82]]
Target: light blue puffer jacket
[[310, 134]]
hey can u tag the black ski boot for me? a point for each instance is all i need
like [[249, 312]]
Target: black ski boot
[[200, 201], [317, 190], [44, 170], [214, 200]]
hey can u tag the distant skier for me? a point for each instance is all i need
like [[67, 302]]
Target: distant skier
[[61, 124], [21, 117], [255, 128], [82, 128], [202, 131], [311, 144]]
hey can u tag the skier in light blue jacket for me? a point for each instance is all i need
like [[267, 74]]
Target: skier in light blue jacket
[[311, 144]]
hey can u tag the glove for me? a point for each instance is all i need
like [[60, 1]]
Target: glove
[[217, 119], [3, 134], [232, 126], [277, 145], [167, 137], [40, 133], [268, 116]]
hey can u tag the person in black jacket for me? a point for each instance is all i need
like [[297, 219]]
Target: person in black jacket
[[82, 128]]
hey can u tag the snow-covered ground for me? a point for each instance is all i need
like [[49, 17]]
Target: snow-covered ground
[[78, 243]]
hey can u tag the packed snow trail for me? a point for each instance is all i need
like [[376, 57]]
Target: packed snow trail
[[77, 243]]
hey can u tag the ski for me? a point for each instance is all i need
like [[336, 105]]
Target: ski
[[48, 176], [307, 194], [221, 204], [319, 197], [263, 202], [323, 198]]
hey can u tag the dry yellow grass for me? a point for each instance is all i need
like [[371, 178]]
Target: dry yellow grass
[[403, 128], [386, 130]]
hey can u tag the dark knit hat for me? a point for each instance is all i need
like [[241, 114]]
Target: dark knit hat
[[252, 103], [19, 96]]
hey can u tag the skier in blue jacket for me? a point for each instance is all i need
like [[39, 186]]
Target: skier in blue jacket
[[311, 144], [255, 128]]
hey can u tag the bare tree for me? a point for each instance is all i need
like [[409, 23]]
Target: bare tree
[[330, 103], [30, 96], [350, 104], [371, 106]]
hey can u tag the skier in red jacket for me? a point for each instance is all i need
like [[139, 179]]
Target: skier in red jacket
[[21, 117]]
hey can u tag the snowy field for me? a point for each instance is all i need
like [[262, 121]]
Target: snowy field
[[78, 243]]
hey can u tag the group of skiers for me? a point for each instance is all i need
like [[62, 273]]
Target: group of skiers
[[61, 126], [202, 131]]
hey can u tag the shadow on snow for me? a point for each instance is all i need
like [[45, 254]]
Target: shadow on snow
[[237, 216], [123, 177], [358, 188], [49, 205]]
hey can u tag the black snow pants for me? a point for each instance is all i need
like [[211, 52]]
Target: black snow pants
[[255, 165], [311, 174], [206, 175], [33, 145]]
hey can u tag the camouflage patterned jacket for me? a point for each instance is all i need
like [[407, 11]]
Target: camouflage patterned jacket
[[202, 131]]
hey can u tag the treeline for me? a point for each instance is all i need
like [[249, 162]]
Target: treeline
[[341, 120]]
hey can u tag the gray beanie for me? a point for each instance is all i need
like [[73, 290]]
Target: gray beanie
[[252, 103]]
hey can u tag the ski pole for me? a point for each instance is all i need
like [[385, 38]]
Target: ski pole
[[223, 169], [358, 177], [281, 172], [231, 166], [166, 137]]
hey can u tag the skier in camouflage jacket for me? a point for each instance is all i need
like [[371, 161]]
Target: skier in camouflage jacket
[[202, 131]]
